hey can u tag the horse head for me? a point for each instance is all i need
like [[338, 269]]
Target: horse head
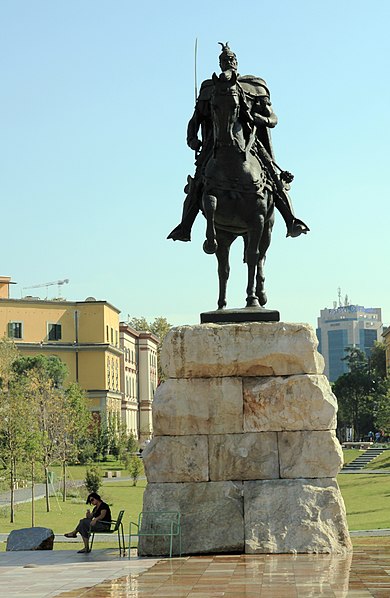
[[229, 112], [225, 109]]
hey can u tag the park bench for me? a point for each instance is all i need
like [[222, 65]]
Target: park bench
[[112, 473], [118, 528], [164, 524]]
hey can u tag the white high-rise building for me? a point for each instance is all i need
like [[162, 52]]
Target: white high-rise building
[[346, 326]]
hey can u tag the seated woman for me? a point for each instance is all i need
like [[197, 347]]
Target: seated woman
[[97, 521]]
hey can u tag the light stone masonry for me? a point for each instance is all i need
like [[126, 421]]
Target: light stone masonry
[[303, 402], [309, 454], [295, 516], [250, 349], [198, 406], [252, 456], [245, 445]]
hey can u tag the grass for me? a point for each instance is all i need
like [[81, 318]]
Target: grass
[[350, 454], [77, 472], [64, 516], [367, 500], [381, 462], [366, 497]]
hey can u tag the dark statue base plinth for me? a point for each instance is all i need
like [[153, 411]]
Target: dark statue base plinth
[[246, 314]]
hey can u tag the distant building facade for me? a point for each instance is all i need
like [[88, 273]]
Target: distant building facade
[[113, 363], [346, 326], [138, 379]]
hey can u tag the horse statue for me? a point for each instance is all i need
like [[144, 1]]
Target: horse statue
[[237, 198]]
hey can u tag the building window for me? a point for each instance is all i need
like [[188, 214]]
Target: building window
[[15, 329], [107, 334], [54, 332], [112, 336]]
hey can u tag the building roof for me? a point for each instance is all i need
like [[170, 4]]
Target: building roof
[[29, 301]]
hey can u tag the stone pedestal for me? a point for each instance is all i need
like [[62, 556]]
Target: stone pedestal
[[244, 442]]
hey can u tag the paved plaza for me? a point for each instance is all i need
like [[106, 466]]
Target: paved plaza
[[363, 574]]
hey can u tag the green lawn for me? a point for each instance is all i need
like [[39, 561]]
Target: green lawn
[[367, 500], [63, 517], [350, 454], [381, 462]]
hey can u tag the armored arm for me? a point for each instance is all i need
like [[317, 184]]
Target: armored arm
[[192, 130], [263, 114]]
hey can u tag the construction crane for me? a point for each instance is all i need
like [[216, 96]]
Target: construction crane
[[59, 283]]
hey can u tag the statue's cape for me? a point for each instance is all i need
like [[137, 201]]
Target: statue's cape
[[253, 86]]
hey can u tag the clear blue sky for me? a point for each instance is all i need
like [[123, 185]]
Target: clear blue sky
[[95, 100]]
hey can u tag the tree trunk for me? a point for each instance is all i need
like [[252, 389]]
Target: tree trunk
[[32, 494], [12, 488], [47, 489], [63, 481]]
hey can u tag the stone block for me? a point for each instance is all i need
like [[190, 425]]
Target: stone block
[[295, 516], [251, 456], [198, 406], [212, 517], [309, 454], [303, 402], [176, 459], [249, 349], [31, 538]]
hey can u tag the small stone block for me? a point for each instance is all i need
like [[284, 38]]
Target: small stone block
[[31, 538]]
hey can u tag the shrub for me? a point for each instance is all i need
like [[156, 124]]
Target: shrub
[[135, 468], [93, 478]]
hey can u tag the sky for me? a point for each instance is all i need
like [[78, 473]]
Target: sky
[[95, 100]]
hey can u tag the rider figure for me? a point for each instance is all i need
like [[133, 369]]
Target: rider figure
[[263, 116]]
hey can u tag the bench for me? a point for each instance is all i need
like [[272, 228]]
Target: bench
[[363, 445], [165, 524], [118, 527], [116, 473]]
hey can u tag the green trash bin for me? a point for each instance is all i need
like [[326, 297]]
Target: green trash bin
[[51, 477]]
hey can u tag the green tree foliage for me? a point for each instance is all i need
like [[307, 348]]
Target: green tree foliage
[[363, 392], [52, 367], [93, 478], [377, 360], [135, 467], [160, 328], [13, 420], [74, 427]]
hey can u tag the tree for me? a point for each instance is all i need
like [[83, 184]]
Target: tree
[[14, 428], [73, 427], [13, 420], [48, 401], [160, 328], [93, 478], [51, 366], [135, 467], [377, 360], [359, 390]]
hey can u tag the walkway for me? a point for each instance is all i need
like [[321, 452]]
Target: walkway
[[101, 574]]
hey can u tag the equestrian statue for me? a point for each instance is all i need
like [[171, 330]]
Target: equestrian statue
[[237, 182]]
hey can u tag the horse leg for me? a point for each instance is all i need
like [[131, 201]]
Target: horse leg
[[209, 207], [264, 244], [224, 241], [252, 259]]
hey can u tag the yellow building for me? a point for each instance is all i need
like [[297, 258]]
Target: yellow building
[[83, 334]]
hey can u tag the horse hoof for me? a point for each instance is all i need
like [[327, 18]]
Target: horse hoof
[[252, 302], [262, 298], [210, 248]]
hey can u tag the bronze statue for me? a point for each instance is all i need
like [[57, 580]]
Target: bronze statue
[[237, 181]]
